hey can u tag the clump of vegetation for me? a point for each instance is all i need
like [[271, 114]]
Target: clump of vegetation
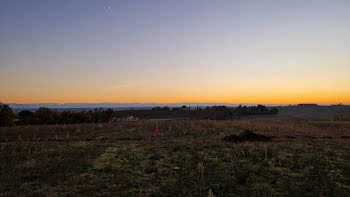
[[197, 113], [342, 115], [47, 116], [254, 110], [247, 135], [6, 115]]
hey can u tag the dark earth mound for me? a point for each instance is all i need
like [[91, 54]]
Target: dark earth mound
[[288, 136], [345, 137], [309, 137], [247, 135]]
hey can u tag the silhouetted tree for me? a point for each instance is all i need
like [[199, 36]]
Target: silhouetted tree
[[217, 113], [44, 115], [184, 108], [274, 110], [88, 117], [107, 115], [6, 115], [65, 117], [166, 108], [254, 110], [261, 108], [26, 117]]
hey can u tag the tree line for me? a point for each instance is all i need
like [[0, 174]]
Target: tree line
[[47, 116], [254, 110], [198, 113]]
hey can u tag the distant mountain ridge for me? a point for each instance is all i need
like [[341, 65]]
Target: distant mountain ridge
[[116, 105]]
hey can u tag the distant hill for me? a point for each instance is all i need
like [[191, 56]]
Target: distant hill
[[118, 105], [307, 112], [110, 105], [287, 112]]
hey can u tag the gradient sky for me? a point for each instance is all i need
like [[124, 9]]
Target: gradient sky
[[269, 52]]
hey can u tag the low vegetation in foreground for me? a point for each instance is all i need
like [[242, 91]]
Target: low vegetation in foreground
[[187, 158]]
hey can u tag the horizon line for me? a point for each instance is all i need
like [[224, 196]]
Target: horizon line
[[160, 103]]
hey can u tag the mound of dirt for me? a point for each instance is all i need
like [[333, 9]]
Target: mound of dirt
[[247, 135], [288, 136], [309, 137]]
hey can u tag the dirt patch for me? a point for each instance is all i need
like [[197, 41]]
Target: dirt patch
[[130, 138], [345, 137], [309, 137], [327, 137], [247, 135], [287, 136]]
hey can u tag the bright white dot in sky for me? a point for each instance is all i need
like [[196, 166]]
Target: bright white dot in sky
[[107, 7]]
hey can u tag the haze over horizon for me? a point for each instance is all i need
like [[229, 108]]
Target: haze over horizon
[[165, 104], [258, 52]]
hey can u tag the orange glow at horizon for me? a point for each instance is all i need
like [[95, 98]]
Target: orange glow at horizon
[[188, 90], [244, 98]]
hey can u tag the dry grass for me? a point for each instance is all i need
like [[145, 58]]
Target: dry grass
[[189, 158]]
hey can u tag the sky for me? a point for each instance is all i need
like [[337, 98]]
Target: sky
[[237, 51]]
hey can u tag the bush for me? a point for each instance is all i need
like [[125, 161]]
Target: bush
[[254, 110], [44, 115], [26, 117], [7, 116]]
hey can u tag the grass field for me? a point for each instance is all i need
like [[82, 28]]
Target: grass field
[[188, 158]]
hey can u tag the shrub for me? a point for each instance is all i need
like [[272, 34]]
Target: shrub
[[6, 115]]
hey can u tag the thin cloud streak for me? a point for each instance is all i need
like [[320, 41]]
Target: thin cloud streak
[[125, 85]]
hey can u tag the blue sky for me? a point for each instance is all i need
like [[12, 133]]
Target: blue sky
[[274, 52]]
